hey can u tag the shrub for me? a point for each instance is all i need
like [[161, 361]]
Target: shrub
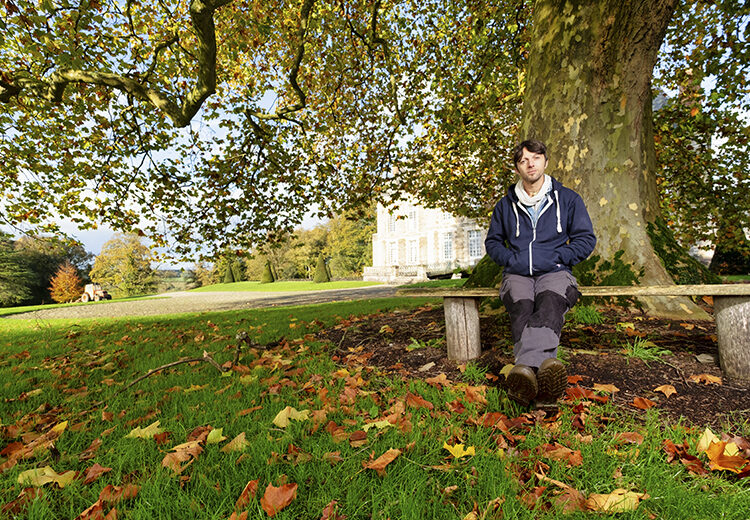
[[228, 274], [267, 276], [321, 271]]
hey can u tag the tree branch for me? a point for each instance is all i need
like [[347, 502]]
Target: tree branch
[[201, 14], [293, 73]]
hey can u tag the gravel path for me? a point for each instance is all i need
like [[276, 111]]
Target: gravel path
[[179, 302]]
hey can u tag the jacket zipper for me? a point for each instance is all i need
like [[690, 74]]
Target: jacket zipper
[[533, 229]]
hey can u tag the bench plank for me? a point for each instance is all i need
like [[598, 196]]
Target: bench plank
[[729, 289]]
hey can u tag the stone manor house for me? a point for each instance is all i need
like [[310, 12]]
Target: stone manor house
[[413, 243]]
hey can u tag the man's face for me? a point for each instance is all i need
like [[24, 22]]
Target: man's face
[[531, 167]]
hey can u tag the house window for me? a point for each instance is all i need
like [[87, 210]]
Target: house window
[[393, 253], [413, 252], [412, 219], [391, 223], [448, 247], [475, 244]]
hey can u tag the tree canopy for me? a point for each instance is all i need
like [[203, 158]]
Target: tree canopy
[[124, 267], [214, 124]]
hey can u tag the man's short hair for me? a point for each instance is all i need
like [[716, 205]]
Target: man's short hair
[[531, 145]]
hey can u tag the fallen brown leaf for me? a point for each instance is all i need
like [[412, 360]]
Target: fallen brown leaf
[[667, 390], [18, 504], [186, 452], [94, 472], [417, 401], [610, 389], [706, 379], [642, 403], [718, 460], [381, 462], [251, 488], [277, 498], [631, 437], [562, 453]]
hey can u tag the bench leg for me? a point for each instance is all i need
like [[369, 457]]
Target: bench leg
[[462, 328], [732, 314]]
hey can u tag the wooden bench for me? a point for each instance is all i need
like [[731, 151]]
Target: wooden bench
[[731, 312]]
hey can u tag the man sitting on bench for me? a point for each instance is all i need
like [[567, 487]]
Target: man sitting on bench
[[539, 230]]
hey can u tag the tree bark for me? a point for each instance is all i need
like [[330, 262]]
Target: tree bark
[[588, 98]]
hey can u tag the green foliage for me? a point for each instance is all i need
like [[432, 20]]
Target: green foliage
[[475, 373], [16, 277], [124, 267], [238, 270], [422, 343], [44, 255], [645, 350], [683, 268], [485, 274], [229, 274], [268, 276], [701, 129], [585, 314], [321, 270], [595, 271]]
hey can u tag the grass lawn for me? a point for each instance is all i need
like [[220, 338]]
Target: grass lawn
[[28, 308], [290, 285], [315, 432]]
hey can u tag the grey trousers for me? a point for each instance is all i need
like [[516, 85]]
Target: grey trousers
[[537, 307]]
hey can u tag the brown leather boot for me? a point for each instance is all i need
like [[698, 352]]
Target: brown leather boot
[[521, 384], [552, 380]]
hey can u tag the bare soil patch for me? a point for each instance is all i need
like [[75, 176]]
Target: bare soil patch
[[594, 352]]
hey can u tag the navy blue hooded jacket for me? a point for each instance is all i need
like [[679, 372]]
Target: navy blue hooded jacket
[[562, 237]]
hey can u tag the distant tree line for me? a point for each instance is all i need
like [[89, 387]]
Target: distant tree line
[[345, 242], [28, 265]]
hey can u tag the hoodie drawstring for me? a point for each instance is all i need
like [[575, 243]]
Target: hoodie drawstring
[[559, 225], [518, 226]]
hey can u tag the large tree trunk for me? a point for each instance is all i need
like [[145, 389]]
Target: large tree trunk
[[588, 98]]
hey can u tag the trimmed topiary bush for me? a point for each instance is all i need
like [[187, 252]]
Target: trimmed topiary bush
[[321, 270], [229, 275], [267, 276]]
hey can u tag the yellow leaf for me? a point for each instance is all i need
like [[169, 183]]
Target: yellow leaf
[[237, 444], [379, 425], [617, 501], [609, 389], [506, 369], [706, 440], [145, 433], [60, 427], [40, 476], [667, 390], [284, 416], [248, 379], [459, 450], [215, 437]]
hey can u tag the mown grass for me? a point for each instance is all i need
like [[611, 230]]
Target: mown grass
[[6, 311], [450, 282], [77, 364], [289, 285]]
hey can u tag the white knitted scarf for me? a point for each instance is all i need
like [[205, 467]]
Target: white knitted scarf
[[528, 200]]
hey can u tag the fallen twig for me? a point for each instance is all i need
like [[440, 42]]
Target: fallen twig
[[206, 357], [242, 337]]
